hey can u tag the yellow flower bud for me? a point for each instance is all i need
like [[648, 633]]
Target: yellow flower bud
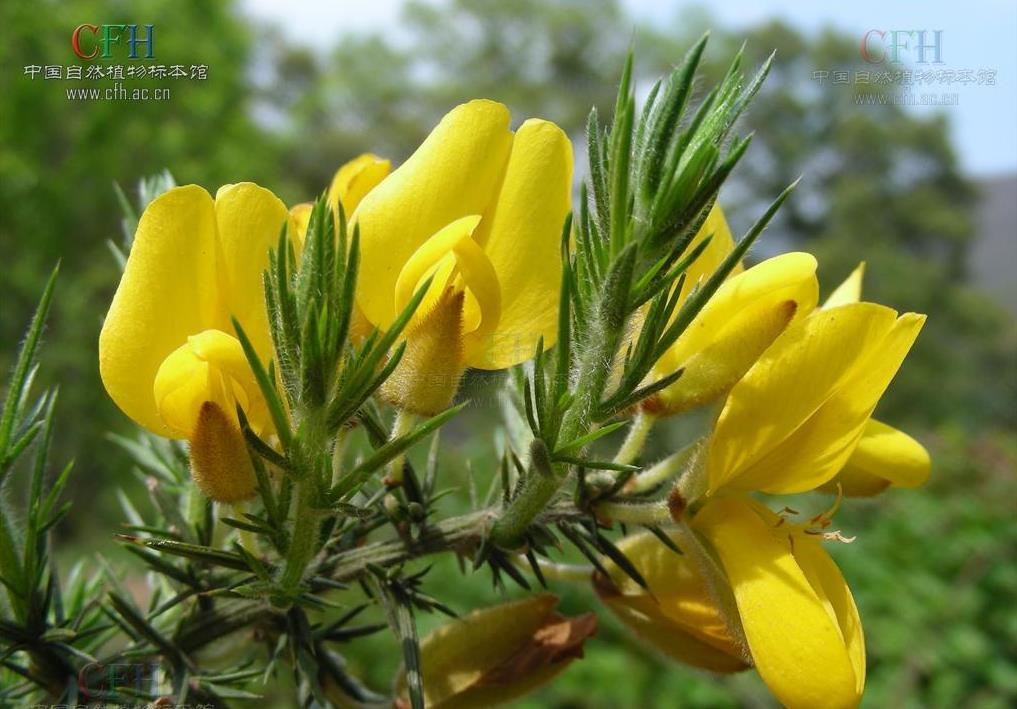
[[677, 615], [496, 655]]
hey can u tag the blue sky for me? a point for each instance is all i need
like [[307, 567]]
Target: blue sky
[[977, 34]]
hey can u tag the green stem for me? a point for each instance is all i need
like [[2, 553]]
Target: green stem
[[304, 538], [664, 470], [651, 513], [404, 422], [10, 564], [342, 440], [460, 534], [636, 438], [557, 571], [246, 537], [591, 381], [196, 503]]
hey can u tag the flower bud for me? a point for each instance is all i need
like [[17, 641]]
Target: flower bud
[[677, 615], [496, 655]]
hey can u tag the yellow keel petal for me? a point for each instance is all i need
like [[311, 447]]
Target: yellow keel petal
[[883, 457], [797, 643], [455, 172]]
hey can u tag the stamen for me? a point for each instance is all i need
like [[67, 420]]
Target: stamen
[[815, 525]]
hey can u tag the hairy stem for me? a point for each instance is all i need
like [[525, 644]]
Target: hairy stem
[[651, 513], [403, 424], [303, 540], [664, 470], [460, 534], [591, 381], [632, 448]]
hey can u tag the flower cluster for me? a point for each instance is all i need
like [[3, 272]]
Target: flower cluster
[[395, 283]]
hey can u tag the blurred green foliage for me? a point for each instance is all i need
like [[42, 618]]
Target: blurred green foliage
[[933, 570]]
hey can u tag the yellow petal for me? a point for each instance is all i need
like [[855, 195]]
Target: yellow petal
[[355, 179], [721, 242], [805, 640], [738, 323], [169, 290], [484, 309], [710, 373], [850, 291], [209, 367], [831, 588], [296, 227], [454, 173], [820, 447], [884, 457], [521, 236], [454, 259], [789, 276], [249, 218], [805, 367], [678, 615]]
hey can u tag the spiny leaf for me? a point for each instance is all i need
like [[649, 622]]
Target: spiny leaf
[[267, 386], [390, 451], [583, 441], [22, 369]]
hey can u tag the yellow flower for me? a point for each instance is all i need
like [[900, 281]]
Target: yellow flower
[[884, 456], [678, 616], [793, 421], [480, 210], [796, 611], [736, 325], [498, 654], [167, 353]]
